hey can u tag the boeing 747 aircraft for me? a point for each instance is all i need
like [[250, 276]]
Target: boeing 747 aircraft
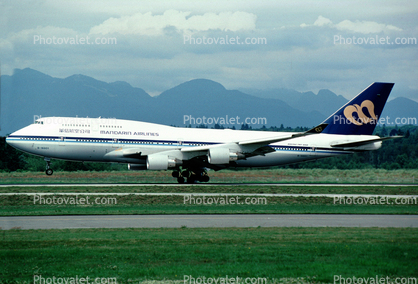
[[189, 153]]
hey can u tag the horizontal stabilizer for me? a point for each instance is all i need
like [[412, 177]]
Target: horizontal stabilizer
[[364, 142]]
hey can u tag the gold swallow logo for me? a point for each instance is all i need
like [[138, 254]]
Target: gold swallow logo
[[362, 118], [318, 129]]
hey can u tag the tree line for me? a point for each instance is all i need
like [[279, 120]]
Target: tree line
[[394, 154]]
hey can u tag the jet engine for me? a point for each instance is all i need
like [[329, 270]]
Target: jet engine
[[218, 156], [162, 162], [137, 167]]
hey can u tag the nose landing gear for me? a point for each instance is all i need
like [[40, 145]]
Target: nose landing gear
[[48, 171]]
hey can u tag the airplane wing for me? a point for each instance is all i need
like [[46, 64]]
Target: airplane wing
[[259, 146], [316, 130], [211, 155]]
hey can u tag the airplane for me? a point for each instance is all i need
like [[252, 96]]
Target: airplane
[[191, 152]]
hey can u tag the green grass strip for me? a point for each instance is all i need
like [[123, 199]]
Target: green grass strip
[[24, 205], [133, 255]]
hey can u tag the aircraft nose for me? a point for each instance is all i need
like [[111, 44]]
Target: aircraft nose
[[10, 140], [13, 140]]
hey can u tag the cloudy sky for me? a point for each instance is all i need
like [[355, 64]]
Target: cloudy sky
[[155, 45]]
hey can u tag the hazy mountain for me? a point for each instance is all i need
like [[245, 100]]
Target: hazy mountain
[[201, 97], [28, 93], [400, 110], [325, 102]]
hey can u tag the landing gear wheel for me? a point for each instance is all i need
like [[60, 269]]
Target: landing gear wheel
[[202, 176], [48, 171], [175, 174], [186, 173], [190, 175], [180, 179]]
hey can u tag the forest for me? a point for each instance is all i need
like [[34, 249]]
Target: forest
[[394, 154]]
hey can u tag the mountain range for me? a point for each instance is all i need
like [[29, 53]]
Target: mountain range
[[29, 93]]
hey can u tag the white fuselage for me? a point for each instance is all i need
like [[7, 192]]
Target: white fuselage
[[101, 140]]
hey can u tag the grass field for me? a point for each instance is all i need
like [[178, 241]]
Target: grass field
[[130, 203], [131, 255], [224, 176]]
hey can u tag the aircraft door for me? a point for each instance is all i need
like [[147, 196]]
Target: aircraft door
[[313, 150], [115, 143]]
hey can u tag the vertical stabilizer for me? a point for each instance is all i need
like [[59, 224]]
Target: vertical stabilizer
[[360, 115]]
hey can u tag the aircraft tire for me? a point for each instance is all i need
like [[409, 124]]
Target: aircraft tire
[[175, 174], [186, 173]]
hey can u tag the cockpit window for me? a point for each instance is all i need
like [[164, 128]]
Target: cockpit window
[[39, 122]]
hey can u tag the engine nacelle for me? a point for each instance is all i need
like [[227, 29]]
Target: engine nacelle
[[162, 162], [137, 167], [219, 156]]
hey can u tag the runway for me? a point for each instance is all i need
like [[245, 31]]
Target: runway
[[208, 221]]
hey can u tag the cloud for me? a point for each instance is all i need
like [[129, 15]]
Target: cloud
[[31, 39], [151, 25], [44, 32], [364, 27], [322, 21], [150, 52]]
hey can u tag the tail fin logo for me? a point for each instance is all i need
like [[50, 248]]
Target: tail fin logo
[[362, 118]]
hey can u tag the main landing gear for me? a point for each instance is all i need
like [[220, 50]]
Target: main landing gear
[[191, 176], [48, 171]]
